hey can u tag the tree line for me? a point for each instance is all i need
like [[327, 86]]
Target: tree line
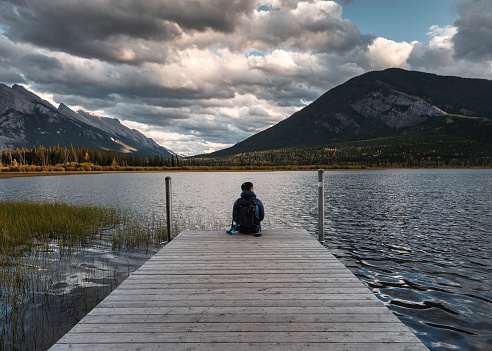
[[405, 152], [443, 151], [57, 156]]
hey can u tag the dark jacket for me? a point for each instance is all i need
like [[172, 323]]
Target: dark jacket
[[248, 194]]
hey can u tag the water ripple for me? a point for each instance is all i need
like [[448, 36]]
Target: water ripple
[[419, 239]]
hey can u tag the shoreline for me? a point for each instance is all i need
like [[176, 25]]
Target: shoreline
[[17, 174]]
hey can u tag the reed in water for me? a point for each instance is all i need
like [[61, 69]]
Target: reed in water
[[41, 243]]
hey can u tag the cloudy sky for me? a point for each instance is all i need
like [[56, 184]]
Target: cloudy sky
[[201, 75]]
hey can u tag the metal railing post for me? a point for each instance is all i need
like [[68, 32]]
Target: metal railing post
[[169, 210], [321, 206]]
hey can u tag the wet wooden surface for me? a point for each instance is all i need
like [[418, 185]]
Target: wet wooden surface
[[208, 290]]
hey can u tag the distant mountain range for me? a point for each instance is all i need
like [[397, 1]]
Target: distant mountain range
[[26, 120], [384, 104]]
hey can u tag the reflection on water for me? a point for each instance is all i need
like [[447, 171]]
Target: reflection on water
[[58, 286], [420, 239]]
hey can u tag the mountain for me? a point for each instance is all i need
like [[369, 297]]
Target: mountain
[[383, 104], [26, 120]]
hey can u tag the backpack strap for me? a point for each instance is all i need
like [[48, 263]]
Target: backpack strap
[[257, 214], [233, 227], [234, 217]]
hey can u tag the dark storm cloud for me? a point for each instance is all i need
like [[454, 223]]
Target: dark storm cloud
[[9, 77], [313, 26], [98, 28], [150, 19], [154, 94], [42, 62], [473, 41], [218, 15], [427, 58], [149, 114]]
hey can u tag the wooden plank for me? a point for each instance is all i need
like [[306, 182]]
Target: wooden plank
[[279, 318], [272, 263], [231, 337], [235, 327], [129, 295], [224, 277], [214, 302], [249, 346], [261, 282], [238, 292], [207, 290], [251, 285], [246, 272], [101, 311]]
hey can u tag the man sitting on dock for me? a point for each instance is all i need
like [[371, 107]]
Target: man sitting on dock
[[247, 212]]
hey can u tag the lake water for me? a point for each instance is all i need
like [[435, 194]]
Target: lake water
[[421, 240]]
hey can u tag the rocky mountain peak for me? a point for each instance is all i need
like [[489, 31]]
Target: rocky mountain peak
[[30, 95], [375, 105], [396, 110], [91, 114], [27, 120], [62, 108]]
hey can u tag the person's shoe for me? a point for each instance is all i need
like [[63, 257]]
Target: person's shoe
[[256, 234]]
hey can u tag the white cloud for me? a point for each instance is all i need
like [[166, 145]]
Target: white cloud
[[473, 39], [384, 53], [439, 56], [186, 144], [279, 62], [442, 37]]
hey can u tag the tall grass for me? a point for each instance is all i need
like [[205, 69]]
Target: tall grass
[[39, 242], [25, 225]]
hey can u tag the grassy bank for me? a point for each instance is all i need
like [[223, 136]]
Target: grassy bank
[[90, 168], [27, 225], [41, 243]]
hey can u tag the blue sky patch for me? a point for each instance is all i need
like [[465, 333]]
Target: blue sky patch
[[267, 7]]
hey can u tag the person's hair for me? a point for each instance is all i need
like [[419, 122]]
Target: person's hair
[[246, 186]]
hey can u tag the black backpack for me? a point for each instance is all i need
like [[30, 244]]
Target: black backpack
[[247, 216]]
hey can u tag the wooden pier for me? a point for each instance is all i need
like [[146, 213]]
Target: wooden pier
[[207, 290]]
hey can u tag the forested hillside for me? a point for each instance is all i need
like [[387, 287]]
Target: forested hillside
[[383, 104], [462, 142]]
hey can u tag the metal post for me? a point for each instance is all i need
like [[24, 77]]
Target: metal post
[[321, 206], [169, 210]]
